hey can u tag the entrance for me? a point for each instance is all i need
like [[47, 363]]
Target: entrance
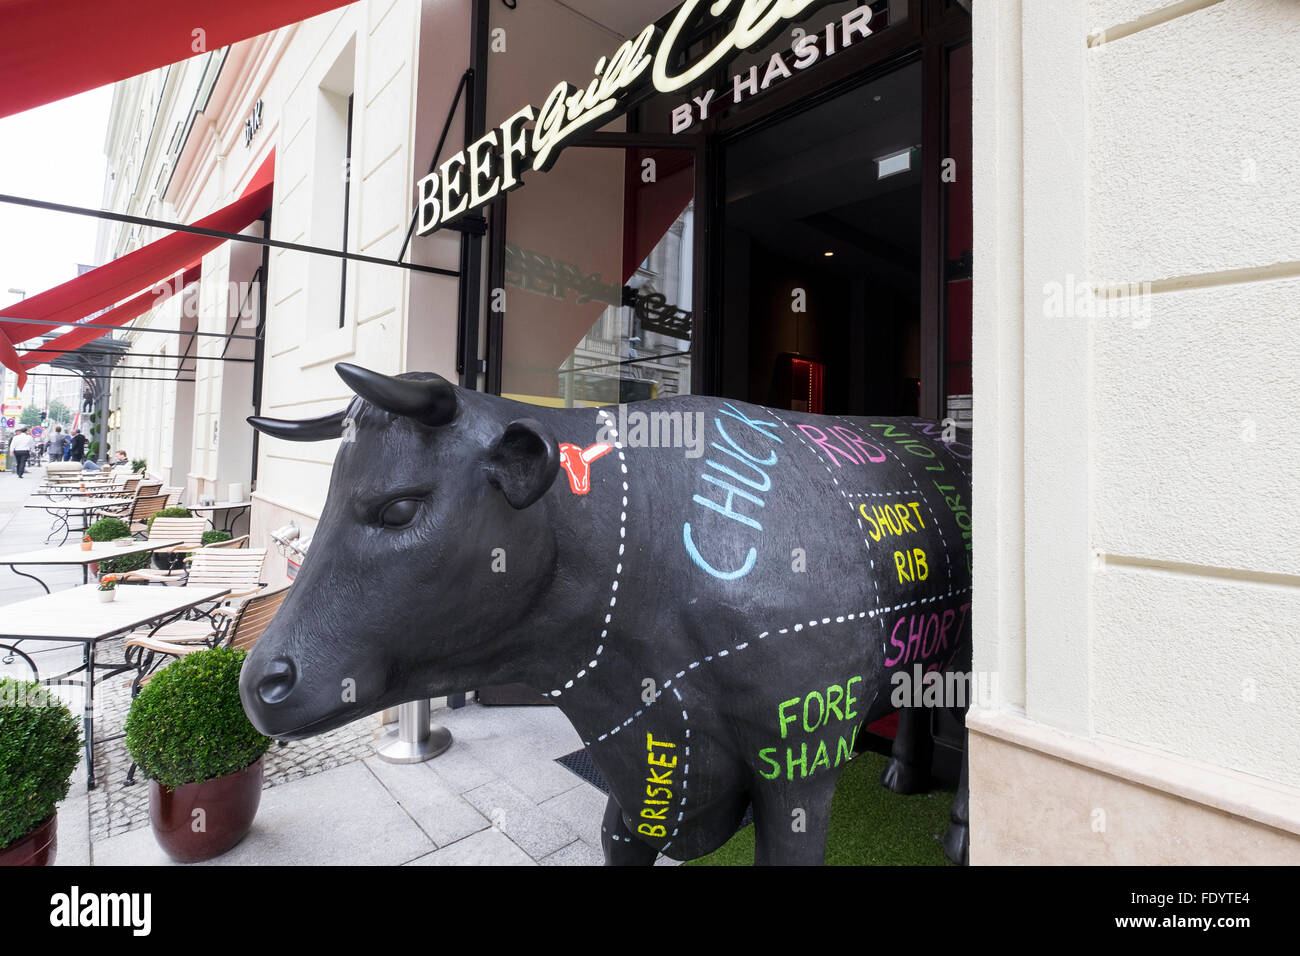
[[821, 255]]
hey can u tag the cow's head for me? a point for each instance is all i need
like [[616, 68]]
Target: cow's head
[[401, 597]]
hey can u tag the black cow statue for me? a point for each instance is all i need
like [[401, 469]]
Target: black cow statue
[[717, 595]]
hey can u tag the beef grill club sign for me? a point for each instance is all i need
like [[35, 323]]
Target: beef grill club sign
[[650, 63]]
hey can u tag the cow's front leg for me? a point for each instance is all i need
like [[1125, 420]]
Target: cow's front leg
[[790, 825], [908, 770], [622, 847]]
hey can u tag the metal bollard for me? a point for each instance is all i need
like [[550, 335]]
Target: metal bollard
[[414, 740]]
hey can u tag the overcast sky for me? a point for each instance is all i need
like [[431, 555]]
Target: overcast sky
[[56, 153]]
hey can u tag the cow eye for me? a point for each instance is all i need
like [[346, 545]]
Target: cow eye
[[400, 513]]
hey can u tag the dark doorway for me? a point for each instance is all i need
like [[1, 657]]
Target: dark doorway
[[821, 255]]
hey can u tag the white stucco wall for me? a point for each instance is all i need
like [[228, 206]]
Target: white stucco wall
[[303, 340], [1161, 559]]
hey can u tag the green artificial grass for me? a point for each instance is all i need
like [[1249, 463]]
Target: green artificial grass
[[870, 826]]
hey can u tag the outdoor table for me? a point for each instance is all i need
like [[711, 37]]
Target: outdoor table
[[62, 510], [78, 616], [102, 490], [85, 478], [70, 555], [227, 506], [66, 487]]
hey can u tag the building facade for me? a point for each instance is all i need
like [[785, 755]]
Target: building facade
[[1136, 154], [885, 207]]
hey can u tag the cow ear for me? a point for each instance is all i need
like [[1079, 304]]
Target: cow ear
[[524, 462]]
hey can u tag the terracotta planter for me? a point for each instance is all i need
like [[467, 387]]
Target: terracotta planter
[[229, 805], [35, 849]]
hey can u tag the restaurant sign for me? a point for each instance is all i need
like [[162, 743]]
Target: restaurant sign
[[654, 61]]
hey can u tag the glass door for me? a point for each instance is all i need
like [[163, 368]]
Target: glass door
[[596, 303]]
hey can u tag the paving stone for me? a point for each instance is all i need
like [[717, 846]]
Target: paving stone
[[513, 812], [437, 808], [485, 848], [459, 768], [582, 807], [577, 853]]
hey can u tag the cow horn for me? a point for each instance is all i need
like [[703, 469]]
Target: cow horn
[[312, 429], [431, 400]]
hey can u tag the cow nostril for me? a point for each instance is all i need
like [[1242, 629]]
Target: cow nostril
[[278, 682]]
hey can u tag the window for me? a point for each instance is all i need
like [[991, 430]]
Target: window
[[599, 279], [347, 203], [331, 215]]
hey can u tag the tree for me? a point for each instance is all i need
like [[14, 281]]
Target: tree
[[59, 413], [30, 417]]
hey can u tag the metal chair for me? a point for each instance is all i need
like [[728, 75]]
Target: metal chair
[[188, 530], [240, 542], [143, 508], [128, 489], [239, 571], [148, 486]]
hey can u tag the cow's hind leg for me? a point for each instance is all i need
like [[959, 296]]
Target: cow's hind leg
[[622, 847], [790, 825], [956, 839], [908, 770]]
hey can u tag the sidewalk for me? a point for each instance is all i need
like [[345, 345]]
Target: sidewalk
[[497, 797]]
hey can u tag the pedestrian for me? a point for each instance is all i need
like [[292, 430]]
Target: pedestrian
[[78, 450], [20, 446], [58, 443]]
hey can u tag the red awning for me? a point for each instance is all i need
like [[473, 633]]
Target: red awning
[[115, 281], [50, 49], [117, 316]]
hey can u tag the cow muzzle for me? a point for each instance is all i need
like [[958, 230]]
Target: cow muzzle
[[266, 689], [277, 681]]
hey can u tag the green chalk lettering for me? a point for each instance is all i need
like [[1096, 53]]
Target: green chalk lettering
[[850, 700], [802, 762]]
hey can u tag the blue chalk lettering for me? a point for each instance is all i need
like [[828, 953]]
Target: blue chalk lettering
[[703, 565], [726, 509], [758, 426], [768, 461], [765, 484]]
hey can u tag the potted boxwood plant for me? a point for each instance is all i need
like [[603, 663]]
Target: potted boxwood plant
[[188, 734], [39, 744], [110, 529]]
